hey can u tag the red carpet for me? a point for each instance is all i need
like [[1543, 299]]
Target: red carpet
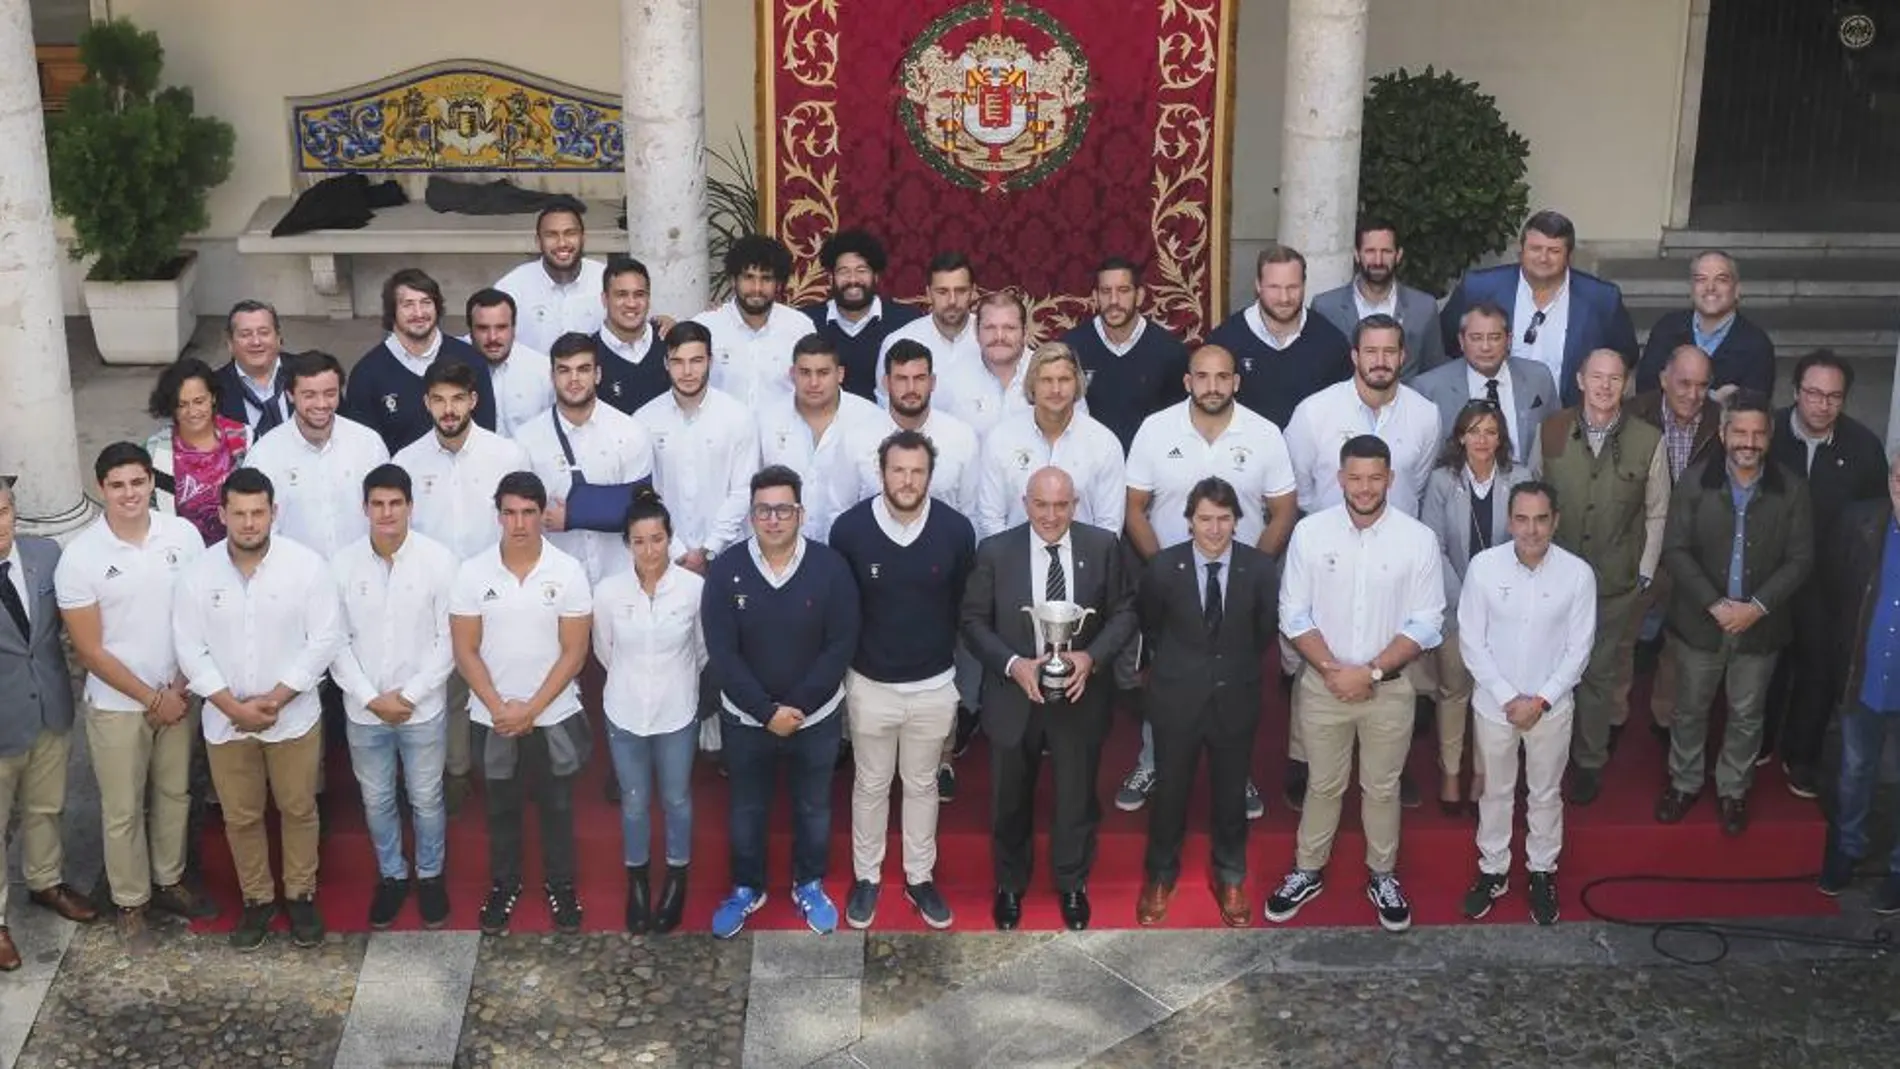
[[1615, 836]]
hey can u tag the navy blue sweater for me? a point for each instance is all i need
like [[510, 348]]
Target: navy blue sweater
[[859, 354], [910, 595], [1273, 383], [787, 645], [1124, 390], [1746, 357], [626, 385], [387, 397]]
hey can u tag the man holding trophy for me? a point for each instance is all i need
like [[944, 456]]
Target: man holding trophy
[[1047, 604]]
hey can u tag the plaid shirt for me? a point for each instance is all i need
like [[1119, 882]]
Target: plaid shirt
[[1679, 440]]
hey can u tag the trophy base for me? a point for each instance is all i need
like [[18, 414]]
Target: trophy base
[[1055, 689]]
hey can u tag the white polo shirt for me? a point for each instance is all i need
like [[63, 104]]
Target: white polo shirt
[[754, 366], [396, 622], [523, 385], [610, 448], [1408, 425], [545, 310], [828, 464], [945, 353], [1017, 449], [977, 397], [283, 625], [455, 491], [133, 587], [1168, 456], [1526, 630], [319, 488], [521, 625], [703, 464], [1361, 588], [652, 647], [957, 474]]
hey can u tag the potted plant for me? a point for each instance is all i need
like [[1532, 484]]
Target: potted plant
[[130, 167]]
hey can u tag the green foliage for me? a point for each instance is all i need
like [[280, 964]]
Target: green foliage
[[1440, 162], [732, 208], [130, 162]]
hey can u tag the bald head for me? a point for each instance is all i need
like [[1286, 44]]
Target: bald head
[[1049, 500], [1685, 381]]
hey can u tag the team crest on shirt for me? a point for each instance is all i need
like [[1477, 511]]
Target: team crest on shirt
[[1246, 365], [783, 436], [362, 589], [1240, 454], [1021, 458], [614, 388], [1088, 379], [171, 556], [291, 476], [428, 484], [390, 402], [659, 441], [876, 569], [217, 597], [1330, 561], [738, 602], [549, 592]]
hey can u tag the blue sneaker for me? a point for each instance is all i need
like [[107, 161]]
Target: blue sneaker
[[812, 901], [729, 918]]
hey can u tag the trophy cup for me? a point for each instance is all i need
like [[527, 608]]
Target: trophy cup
[[1056, 624]]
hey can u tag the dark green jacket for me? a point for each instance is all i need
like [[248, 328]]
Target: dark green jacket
[[1602, 496], [1700, 536]]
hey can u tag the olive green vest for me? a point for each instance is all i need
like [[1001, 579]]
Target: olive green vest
[[1600, 496]]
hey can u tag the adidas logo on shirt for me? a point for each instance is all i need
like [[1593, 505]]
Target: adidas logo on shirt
[[112, 571], [1175, 453], [490, 595]]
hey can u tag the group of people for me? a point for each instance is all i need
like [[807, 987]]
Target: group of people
[[769, 533]]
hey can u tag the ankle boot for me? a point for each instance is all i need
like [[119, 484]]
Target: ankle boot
[[672, 900], [637, 909]]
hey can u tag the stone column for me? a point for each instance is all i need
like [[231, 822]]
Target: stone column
[[664, 109], [38, 438], [1319, 140]]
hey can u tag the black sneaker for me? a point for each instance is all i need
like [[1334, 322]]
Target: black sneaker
[[1409, 798], [253, 925], [500, 907], [565, 907], [1837, 870], [1296, 785], [1488, 888], [387, 902], [1386, 896], [1803, 782], [946, 783], [860, 906], [432, 901], [1543, 897], [1299, 888], [306, 924], [1887, 898], [929, 904]]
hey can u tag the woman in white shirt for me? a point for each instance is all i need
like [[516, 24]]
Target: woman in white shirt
[[647, 634], [1467, 505]]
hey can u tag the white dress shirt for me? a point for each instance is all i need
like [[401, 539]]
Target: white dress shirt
[[828, 464], [1548, 349], [521, 625], [257, 393], [754, 366], [946, 354], [703, 462], [611, 449], [319, 488], [1507, 401], [545, 309], [1526, 630], [954, 478], [282, 625], [1016, 448], [1389, 306], [1408, 424], [455, 491], [974, 394], [133, 586], [1362, 588], [524, 387], [396, 619], [1169, 455], [653, 649]]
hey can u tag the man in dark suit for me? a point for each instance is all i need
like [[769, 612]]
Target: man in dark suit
[[254, 385], [1559, 315], [1741, 355], [1209, 611], [1522, 389], [1050, 558], [1375, 287], [36, 720]]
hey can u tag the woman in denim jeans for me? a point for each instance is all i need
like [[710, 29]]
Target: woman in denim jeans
[[647, 634]]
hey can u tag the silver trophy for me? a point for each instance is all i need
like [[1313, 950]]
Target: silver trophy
[[1056, 624]]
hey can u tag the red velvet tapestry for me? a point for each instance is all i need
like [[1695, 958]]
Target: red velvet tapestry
[[1037, 138]]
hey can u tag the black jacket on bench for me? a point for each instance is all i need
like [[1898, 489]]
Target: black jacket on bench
[[345, 202]]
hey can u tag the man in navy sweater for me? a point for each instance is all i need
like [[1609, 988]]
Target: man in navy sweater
[[910, 557], [632, 354], [781, 619], [385, 391], [856, 319], [1134, 366], [1286, 353]]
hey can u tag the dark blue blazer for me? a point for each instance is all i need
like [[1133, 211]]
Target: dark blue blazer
[[1598, 319], [231, 391]]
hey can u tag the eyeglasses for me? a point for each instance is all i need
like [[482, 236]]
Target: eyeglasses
[[1810, 394], [1530, 332], [774, 512]]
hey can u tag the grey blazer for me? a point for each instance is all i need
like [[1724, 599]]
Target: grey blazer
[[1418, 314], [1533, 391], [36, 689], [1447, 511]]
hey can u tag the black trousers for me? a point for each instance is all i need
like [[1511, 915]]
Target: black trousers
[[1806, 687], [1074, 736], [553, 798], [1181, 735]]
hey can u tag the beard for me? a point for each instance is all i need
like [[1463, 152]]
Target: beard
[[1214, 404], [754, 306], [1377, 275], [450, 428], [910, 411], [855, 297]]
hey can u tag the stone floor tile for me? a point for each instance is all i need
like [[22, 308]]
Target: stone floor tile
[[791, 955], [907, 971], [794, 1022], [402, 1023], [1176, 968]]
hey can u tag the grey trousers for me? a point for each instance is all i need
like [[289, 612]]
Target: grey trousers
[[1699, 674]]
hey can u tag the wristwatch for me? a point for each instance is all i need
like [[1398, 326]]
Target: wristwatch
[[1378, 674]]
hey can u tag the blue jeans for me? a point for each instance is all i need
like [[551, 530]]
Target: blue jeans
[[1864, 734], [753, 756], [423, 748], [639, 762]]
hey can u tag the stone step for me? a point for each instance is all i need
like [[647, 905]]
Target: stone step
[[1746, 243], [1766, 280]]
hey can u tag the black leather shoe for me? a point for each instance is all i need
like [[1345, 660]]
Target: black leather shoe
[[672, 900], [1008, 910], [1075, 909], [639, 913]]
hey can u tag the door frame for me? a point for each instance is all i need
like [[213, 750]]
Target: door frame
[[1689, 113]]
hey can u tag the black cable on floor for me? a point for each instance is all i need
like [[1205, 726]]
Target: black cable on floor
[[1720, 934]]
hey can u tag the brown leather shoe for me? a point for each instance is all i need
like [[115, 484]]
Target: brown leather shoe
[[134, 936], [66, 902], [1232, 900], [9, 954], [1673, 806], [1152, 907], [1734, 813]]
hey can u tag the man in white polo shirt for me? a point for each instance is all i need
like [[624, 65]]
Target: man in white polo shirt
[[1372, 402], [519, 616], [1055, 432], [517, 372], [115, 584], [705, 449], [317, 461], [558, 293], [909, 386], [752, 332], [257, 621], [949, 331], [818, 431]]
